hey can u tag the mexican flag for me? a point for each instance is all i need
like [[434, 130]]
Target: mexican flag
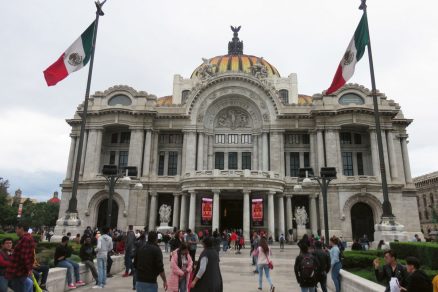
[[73, 59], [354, 53]]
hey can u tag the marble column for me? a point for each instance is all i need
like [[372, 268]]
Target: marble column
[[190, 157], [93, 153], [246, 215], [281, 227], [320, 150], [175, 216], [312, 152], [260, 151], [154, 154], [289, 216], [183, 218], [386, 157], [265, 149], [392, 155], [153, 211], [333, 149], [84, 149], [147, 153], [215, 223], [192, 211], [254, 162], [271, 219], [200, 153], [276, 152], [146, 208], [375, 154], [71, 156], [313, 215], [210, 159], [136, 149], [406, 164]]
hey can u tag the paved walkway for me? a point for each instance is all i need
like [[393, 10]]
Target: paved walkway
[[236, 272]]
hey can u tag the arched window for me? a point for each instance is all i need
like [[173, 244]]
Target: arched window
[[184, 96], [119, 99], [351, 98], [284, 96]]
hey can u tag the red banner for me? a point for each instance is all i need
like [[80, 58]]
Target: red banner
[[207, 211], [257, 212]]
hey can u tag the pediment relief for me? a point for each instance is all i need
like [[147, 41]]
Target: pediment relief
[[233, 118]]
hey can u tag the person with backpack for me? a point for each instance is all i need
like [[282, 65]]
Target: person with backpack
[[335, 262], [264, 263], [281, 239], [324, 265], [306, 269]]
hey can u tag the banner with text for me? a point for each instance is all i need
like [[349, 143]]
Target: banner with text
[[207, 211], [257, 212]]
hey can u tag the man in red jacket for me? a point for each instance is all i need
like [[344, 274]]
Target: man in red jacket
[[21, 261]]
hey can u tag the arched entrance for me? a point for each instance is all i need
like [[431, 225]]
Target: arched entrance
[[103, 211], [362, 221]]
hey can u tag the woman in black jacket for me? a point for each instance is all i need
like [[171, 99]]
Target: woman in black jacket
[[417, 280]]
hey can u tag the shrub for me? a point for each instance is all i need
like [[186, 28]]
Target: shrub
[[426, 252], [357, 260]]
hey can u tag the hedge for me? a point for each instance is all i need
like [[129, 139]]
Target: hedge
[[14, 237], [426, 252]]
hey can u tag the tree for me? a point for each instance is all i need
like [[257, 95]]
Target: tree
[[8, 213]]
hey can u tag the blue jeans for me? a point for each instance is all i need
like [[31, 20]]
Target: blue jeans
[[146, 287], [3, 284], [265, 268], [101, 271], [128, 261], [336, 270], [21, 284], [72, 268], [323, 283], [224, 245], [182, 284], [308, 289]]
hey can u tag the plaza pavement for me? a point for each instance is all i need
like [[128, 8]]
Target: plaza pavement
[[236, 272]]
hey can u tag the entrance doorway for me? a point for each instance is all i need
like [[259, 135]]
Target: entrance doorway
[[231, 216], [103, 211], [362, 221]]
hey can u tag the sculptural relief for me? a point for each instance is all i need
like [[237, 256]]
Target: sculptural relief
[[165, 212], [233, 118], [301, 217]]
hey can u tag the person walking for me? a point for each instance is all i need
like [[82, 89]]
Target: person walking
[[62, 253], [324, 265], [417, 280], [306, 269], [181, 266], [192, 240], [208, 275], [254, 246], [148, 263], [335, 262], [104, 246], [5, 259], [282, 240], [129, 250], [87, 255], [391, 269], [176, 240], [264, 263]]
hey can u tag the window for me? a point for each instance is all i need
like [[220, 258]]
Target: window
[[345, 138], [246, 139], [432, 202], [306, 139], [233, 138], [293, 139], [112, 159], [351, 98], [232, 160], [172, 164], [161, 163], [294, 164], [284, 96], [246, 160], [306, 159], [426, 212], [220, 138], [219, 160], [123, 159], [357, 139], [359, 158], [119, 100], [347, 162], [184, 96], [114, 138], [125, 137]]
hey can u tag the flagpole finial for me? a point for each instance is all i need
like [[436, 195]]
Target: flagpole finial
[[363, 5], [99, 7]]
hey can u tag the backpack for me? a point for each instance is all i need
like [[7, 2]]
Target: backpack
[[308, 268]]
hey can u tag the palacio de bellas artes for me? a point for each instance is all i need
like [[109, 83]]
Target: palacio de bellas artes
[[224, 150]]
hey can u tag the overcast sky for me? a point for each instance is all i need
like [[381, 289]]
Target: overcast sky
[[144, 43]]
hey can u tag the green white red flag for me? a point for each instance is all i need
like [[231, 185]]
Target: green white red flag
[[354, 53], [73, 59]]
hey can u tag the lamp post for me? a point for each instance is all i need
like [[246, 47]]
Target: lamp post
[[327, 174], [112, 174]]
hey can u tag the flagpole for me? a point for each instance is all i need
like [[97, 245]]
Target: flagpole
[[387, 208], [72, 210]]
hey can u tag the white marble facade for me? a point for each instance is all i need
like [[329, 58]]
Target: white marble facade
[[234, 135]]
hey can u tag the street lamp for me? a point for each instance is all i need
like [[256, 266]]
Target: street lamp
[[327, 174], [112, 174]]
